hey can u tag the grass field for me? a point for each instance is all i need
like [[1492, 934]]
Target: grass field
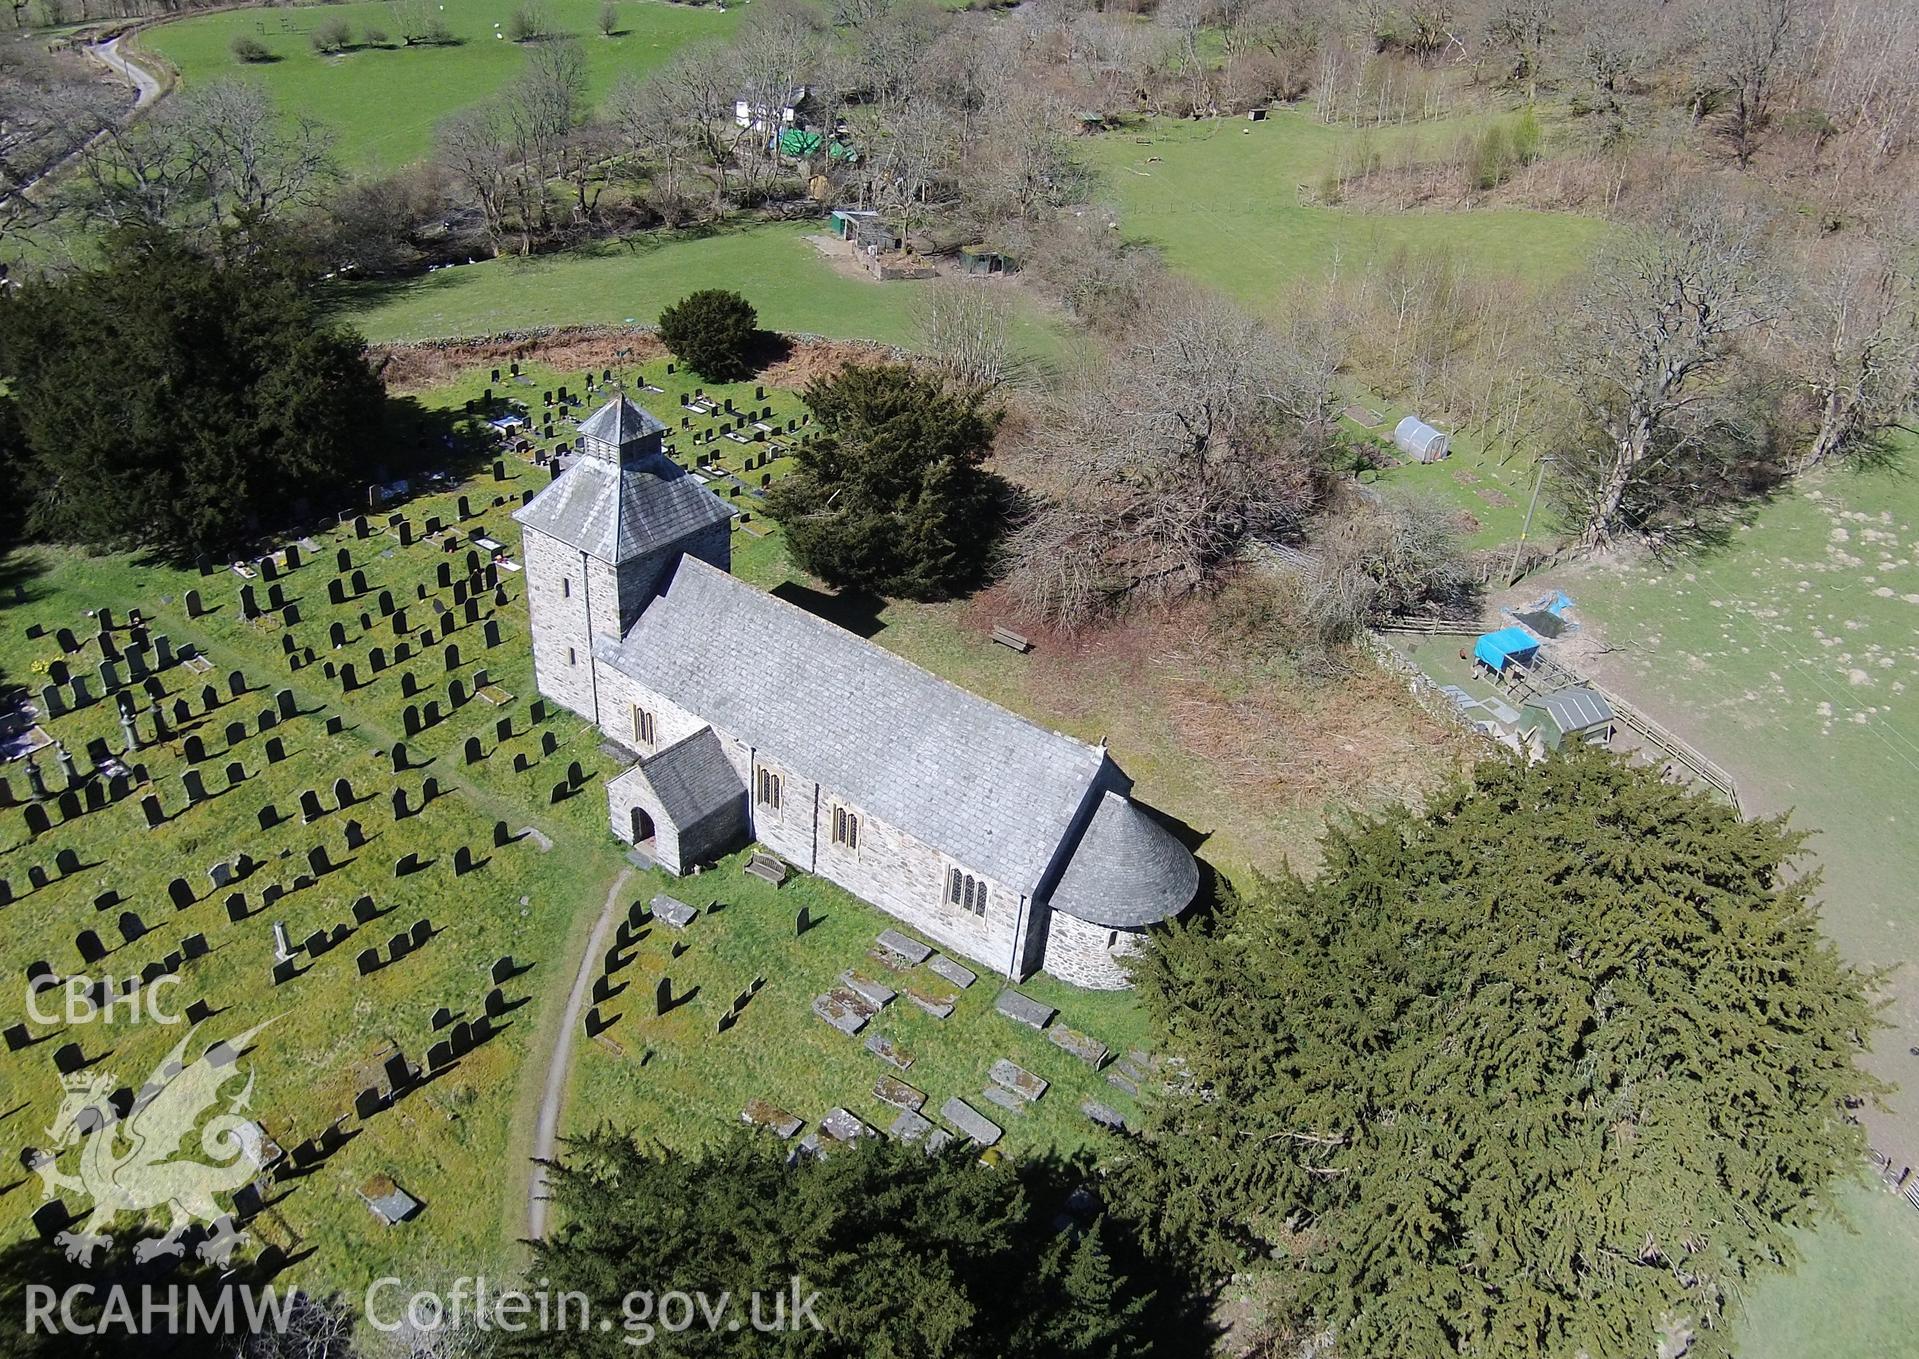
[[383, 103], [1223, 200], [794, 287]]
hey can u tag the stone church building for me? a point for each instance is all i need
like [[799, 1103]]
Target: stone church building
[[751, 719]]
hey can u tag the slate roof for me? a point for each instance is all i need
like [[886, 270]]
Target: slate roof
[[1127, 871], [954, 771], [620, 422], [693, 780], [617, 513], [1574, 709]]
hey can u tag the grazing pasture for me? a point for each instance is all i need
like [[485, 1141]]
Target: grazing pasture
[[382, 103]]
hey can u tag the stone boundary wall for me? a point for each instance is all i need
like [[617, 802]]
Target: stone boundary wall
[[1424, 689], [537, 335]]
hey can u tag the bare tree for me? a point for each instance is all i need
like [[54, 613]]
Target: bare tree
[[1646, 358], [473, 147], [963, 325], [46, 112], [1158, 461], [1852, 341], [215, 154], [1746, 56], [256, 161]]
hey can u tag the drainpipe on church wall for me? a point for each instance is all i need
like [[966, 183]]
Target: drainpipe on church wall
[[1013, 956]]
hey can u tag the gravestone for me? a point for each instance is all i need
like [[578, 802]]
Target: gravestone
[[180, 891], [276, 750], [310, 808], [150, 808]]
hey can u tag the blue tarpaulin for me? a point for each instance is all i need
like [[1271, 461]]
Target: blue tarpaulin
[[1508, 644]]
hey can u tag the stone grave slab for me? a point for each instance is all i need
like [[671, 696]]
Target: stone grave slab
[[1010, 1075], [888, 1051], [843, 1125], [936, 1004], [970, 1121], [1103, 1114], [1083, 1046], [1004, 1098], [944, 966], [672, 912], [912, 950], [911, 1127], [874, 994], [843, 1010], [759, 1114], [1016, 1005], [896, 1092]]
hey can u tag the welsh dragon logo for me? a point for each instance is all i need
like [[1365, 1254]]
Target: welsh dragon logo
[[133, 1164]]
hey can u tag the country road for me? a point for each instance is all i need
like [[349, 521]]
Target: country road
[[145, 82]]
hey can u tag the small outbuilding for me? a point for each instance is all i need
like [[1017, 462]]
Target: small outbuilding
[[1576, 714], [1497, 650], [1419, 440], [984, 259]]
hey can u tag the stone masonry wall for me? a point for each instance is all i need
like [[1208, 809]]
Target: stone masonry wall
[[557, 613], [1080, 953]]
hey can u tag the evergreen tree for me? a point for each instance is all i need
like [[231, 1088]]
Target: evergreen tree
[[910, 1254], [1547, 1069], [168, 400], [890, 494], [712, 331]]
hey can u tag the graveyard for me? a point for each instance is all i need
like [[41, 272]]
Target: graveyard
[[317, 792]]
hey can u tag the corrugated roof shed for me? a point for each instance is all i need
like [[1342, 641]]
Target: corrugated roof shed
[[1575, 709], [954, 771]]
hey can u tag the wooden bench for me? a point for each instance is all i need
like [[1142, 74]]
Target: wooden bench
[[1006, 637], [767, 869]]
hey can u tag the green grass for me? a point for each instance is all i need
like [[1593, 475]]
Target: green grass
[[1851, 1298], [1789, 657], [795, 289], [675, 1077], [383, 104], [1223, 201], [330, 1025], [1491, 485]]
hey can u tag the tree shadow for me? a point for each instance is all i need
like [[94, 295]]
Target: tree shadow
[[857, 612]]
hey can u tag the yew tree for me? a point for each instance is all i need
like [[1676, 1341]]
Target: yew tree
[[1550, 1067]]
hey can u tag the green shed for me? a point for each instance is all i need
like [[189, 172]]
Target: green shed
[[1576, 714]]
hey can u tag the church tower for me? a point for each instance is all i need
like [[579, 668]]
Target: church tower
[[601, 541]]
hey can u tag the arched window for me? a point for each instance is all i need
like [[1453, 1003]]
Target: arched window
[[966, 891]]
